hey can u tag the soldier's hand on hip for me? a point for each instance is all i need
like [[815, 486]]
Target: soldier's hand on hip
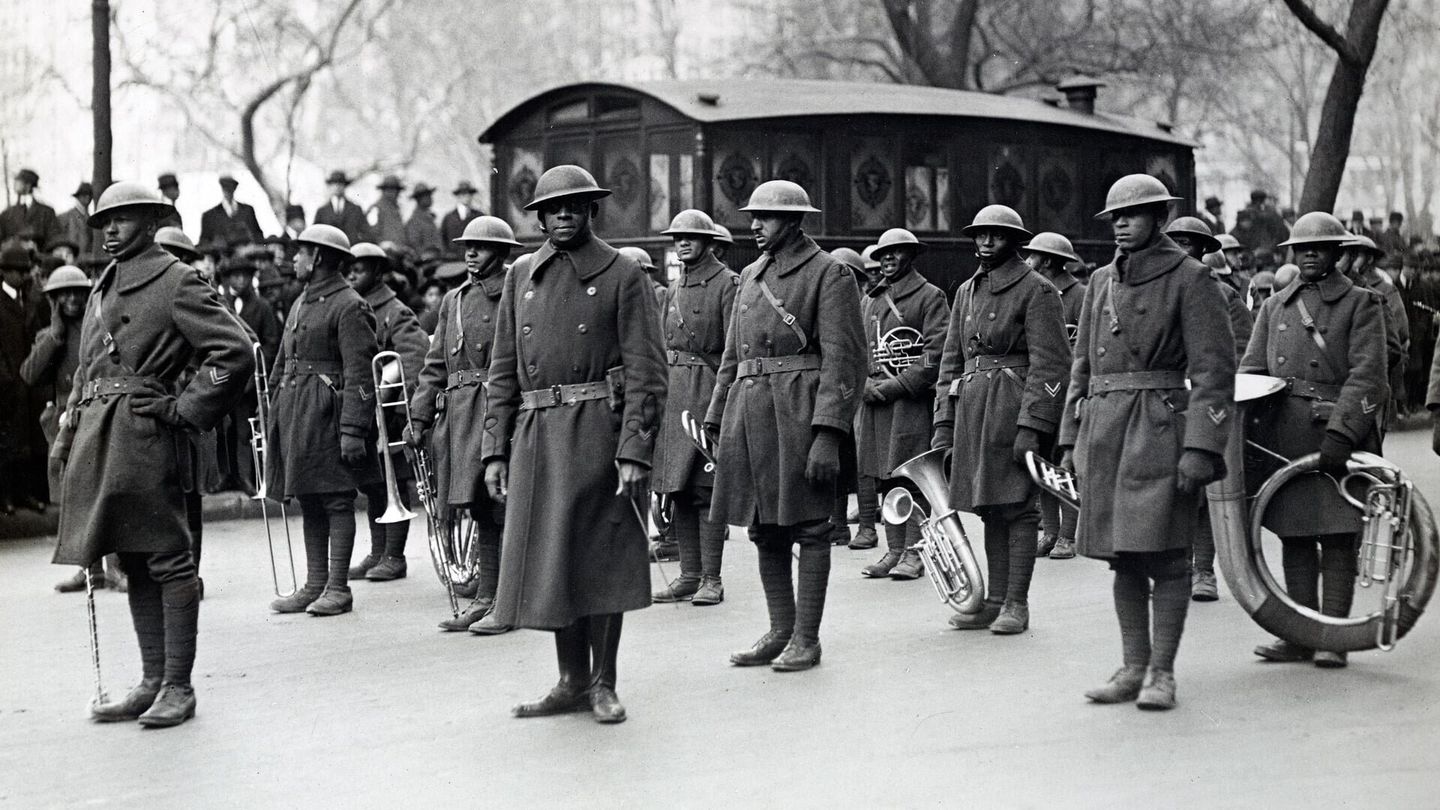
[[634, 480], [823, 465], [416, 434], [1027, 440], [1067, 460], [352, 448], [497, 480], [158, 405], [1196, 469]]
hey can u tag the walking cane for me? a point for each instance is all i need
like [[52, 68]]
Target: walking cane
[[100, 697]]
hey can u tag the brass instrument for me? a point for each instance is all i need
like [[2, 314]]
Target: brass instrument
[[259, 452], [949, 559], [898, 349], [1399, 546], [389, 378]]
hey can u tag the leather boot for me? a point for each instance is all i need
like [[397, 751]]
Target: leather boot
[[298, 601], [1013, 620], [1284, 652], [1123, 686], [762, 652], [865, 537], [1204, 588], [388, 569], [360, 569], [470, 589], [800, 654], [680, 589], [1046, 544], [1064, 549], [174, 705], [116, 580], [910, 566], [472, 613], [1159, 693], [604, 650], [989, 612], [130, 707], [711, 592], [332, 602], [882, 568], [1327, 659], [839, 534], [489, 625], [571, 693]]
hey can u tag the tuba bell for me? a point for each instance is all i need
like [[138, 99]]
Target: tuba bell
[[949, 560], [259, 451]]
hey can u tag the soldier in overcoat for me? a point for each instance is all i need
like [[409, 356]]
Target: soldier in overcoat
[[696, 314], [125, 442], [322, 418], [1326, 337], [448, 409], [784, 404], [1050, 254], [904, 318], [1001, 385], [396, 330], [1141, 443], [1358, 263], [575, 398]]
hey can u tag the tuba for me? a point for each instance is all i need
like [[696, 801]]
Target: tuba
[[259, 451], [949, 560], [1398, 551]]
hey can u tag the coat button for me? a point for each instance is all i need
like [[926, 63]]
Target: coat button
[[525, 330], [750, 382], [744, 307], [1100, 351], [529, 294], [1314, 363], [1281, 328], [590, 291], [745, 346], [484, 317], [582, 328], [530, 368], [992, 316], [695, 311], [1280, 361]]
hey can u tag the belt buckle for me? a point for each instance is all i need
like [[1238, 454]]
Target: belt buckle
[[672, 357], [556, 397]]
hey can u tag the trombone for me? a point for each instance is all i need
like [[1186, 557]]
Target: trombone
[[259, 451]]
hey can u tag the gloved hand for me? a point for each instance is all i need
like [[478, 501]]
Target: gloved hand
[[712, 430], [416, 434], [158, 405], [1067, 459], [872, 393], [634, 480], [823, 465], [55, 468], [497, 480], [1334, 452], [1027, 440], [1196, 469], [944, 437], [352, 448]]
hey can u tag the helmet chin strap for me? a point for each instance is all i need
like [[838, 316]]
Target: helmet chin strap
[[142, 239]]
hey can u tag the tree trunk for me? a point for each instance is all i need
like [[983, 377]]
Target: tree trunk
[[100, 173]]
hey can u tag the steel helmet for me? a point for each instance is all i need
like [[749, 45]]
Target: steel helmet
[[566, 180], [128, 194], [1194, 226], [1134, 190], [868, 256], [849, 258], [691, 222], [1215, 260], [640, 255], [996, 216], [1317, 226], [1285, 276], [367, 250], [779, 196], [1264, 280], [522, 263], [175, 239], [1360, 240], [723, 235], [488, 229], [326, 236], [1052, 244], [895, 237], [66, 277], [1229, 242]]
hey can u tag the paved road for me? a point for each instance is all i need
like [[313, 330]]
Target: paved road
[[380, 709]]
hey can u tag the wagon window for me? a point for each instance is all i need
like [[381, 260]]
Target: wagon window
[[569, 112], [927, 188], [611, 107]]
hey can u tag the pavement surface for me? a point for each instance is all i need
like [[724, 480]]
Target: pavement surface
[[379, 708]]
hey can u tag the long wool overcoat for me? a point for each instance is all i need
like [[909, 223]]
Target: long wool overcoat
[[322, 386], [149, 316], [1009, 311], [463, 344], [572, 546], [697, 309], [1341, 388], [767, 423], [397, 329], [895, 431], [1154, 309]]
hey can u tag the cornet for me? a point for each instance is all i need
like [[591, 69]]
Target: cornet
[[259, 450]]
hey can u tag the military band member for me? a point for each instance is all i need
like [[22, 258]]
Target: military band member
[[866, 500], [1141, 444], [127, 439], [1001, 386], [322, 418], [576, 394], [904, 317], [1049, 254], [448, 408], [724, 240], [784, 403], [396, 330], [1359, 264], [1326, 336], [693, 327]]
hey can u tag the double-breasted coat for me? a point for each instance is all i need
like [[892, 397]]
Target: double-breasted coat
[[573, 547], [147, 320], [768, 420], [1341, 387], [1003, 368], [322, 387], [451, 392], [1156, 316], [892, 432], [696, 312]]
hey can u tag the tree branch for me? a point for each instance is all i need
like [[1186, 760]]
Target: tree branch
[[1325, 31]]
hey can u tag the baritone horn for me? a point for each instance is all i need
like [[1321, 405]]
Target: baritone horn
[[898, 349], [389, 378], [259, 452], [949, 559]]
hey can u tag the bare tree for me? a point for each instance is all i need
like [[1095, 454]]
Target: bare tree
[[100, 94]]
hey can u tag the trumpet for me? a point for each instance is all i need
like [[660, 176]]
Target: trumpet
[[949, 559], [259, 451]]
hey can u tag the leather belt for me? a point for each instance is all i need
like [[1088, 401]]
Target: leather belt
[[675, 357], [296, 366], [761, 366], [563, 395], [1136, 381], [464, 377], [988, 362], [1305, 389], [116, 386]]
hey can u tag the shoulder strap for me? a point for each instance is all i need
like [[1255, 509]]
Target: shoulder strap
[[785, 317]]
